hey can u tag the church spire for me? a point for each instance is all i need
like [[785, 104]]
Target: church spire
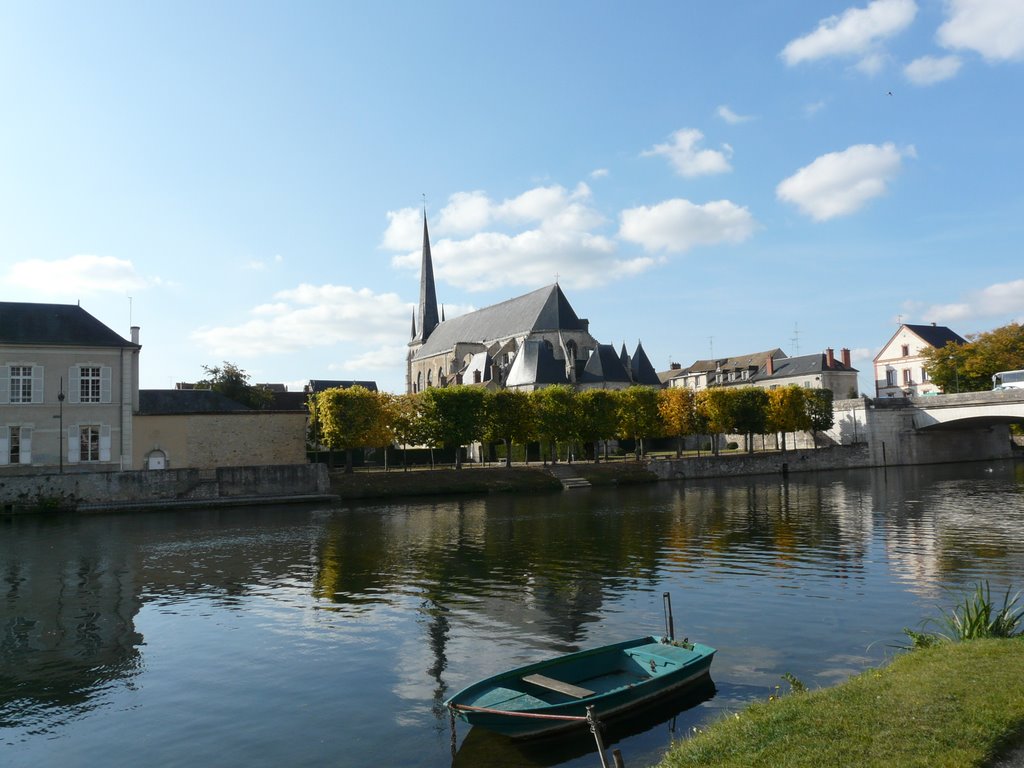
[[428, 297]]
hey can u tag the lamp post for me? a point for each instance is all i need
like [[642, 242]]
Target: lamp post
[[60, 416]]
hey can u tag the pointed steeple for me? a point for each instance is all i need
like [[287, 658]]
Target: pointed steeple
[[641, 370], [413, 336], [428, 297]]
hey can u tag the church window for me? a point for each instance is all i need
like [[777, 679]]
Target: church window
[[419, 382], [430, 379], [570, 347], [440, 376]]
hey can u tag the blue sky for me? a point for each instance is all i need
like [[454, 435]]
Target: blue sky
[[245, 180]]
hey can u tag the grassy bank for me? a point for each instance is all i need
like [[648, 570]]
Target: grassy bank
[[478, 480], [956, 704]]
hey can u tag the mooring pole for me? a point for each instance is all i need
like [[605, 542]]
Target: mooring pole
[[670, 628]]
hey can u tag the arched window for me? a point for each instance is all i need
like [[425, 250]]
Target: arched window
[[572, 349], [419, 382], [440, 375], [549, 346], [430, 379]]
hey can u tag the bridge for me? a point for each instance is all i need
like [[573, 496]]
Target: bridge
[[968, 410]]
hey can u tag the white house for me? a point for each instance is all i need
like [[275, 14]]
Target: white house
[[900, 365]]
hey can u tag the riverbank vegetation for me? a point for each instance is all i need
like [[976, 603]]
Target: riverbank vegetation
[[562, 420], [969, 367], [948, 703]]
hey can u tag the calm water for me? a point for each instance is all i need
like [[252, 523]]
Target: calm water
[[328, 637]]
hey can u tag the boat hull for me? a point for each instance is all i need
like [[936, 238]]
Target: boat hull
[[613, 679]]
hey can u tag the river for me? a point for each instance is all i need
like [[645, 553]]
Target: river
[[329, 636]]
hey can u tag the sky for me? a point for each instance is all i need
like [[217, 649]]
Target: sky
[[246, 181]]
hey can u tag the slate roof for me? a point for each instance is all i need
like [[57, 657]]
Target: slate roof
[[63, 325], [804, 365], [641, 369], [604, 365], [740, 361], [936, 335], [535, 363], [545, 309], [166, 402]]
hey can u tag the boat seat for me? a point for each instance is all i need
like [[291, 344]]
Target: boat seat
[[557, 685]]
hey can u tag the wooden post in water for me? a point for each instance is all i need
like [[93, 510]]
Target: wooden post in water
[[670, 629], [595, 728]]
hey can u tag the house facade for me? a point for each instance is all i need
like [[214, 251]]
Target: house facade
[[900, 365], [771, 369], [68, 387]]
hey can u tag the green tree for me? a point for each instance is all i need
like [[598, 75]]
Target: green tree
[[406, 417], [638, 415], [509, 418], [677, 408], [716, 406], [750, 413], [598, 418], [969, 367], [453, 417], [554, 410], [233, 382], [819, 412], [348, 419]]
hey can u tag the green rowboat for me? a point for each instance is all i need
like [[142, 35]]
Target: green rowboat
[[554, 695]]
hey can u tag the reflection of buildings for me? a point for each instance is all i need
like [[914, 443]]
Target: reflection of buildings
[[68, 624]]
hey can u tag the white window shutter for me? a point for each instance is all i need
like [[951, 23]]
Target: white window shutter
[[5, 384], [74, 445], [105, 442], [37, 383], [26, 445], [74, 384], [5, 445], [105, 384]]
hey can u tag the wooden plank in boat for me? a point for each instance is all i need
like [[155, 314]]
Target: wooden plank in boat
[[557, 685]]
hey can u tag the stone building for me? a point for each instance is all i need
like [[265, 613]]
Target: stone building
[[528, 342]]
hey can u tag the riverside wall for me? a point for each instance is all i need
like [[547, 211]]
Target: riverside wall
[[99, 491], [737, 465]]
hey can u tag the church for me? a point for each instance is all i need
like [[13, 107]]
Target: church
[[526, 343]]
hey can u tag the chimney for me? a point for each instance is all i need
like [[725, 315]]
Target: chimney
[[830, 356], [135, 334], [676, 366], [844, 355], [769, 365]]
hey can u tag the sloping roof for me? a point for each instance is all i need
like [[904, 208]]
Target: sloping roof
[[166, 402], [740, 361], [319, 385], [936, 335], [641, 369], [65, 325], [535, 363], [545, 309], [805, 365], [604, 365]]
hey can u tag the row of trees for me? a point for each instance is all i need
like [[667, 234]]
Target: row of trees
[[451, 417], [969, 367]]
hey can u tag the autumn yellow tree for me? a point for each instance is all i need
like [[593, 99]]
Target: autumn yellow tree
[[677, 408]]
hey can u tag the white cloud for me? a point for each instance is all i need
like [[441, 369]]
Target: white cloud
[[928, 70], [814, 108], [872, 64], [522, 241], [76, 277], [599, 173], [857, 32], [993, 28], [731, 117], [312, 316], [404, 230], [376, 359], [1002, 300], [840, 183], [678, 225], [687, 159]]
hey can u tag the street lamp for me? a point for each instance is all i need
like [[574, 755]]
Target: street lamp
[[60, 415]]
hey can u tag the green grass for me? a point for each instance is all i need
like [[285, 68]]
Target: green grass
[[954, 704]]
